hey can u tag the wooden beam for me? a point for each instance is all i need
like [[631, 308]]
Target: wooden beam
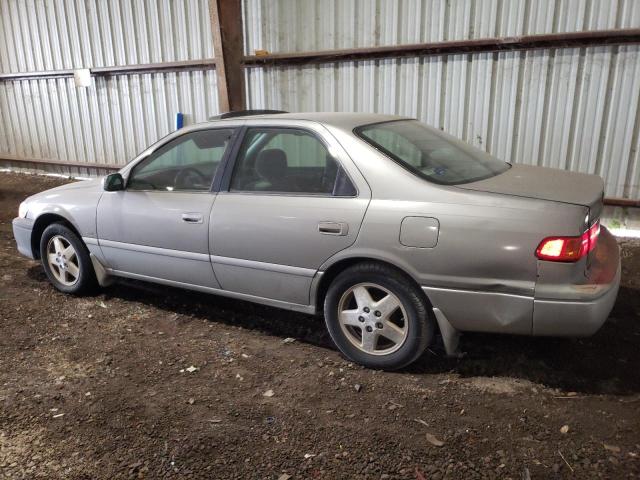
[[526, 42], [621, 202], [226, 26], [233, 81]]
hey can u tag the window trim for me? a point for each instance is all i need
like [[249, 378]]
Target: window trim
[[225, 182], [225, 156]]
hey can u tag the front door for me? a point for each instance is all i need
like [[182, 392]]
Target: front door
[[289, 205], [158, 227]]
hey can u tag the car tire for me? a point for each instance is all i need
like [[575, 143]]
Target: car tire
[[378, 317], [66, 261]]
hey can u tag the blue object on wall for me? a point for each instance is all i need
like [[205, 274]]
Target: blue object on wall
[[179, 120]]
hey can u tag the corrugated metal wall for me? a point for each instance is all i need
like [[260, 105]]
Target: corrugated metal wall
[[41, 35], [109, 122], [568, 108], [571, 108], [300, 25], [118, 116]]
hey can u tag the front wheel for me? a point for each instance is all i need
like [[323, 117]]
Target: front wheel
[[66, 260], [378, 317]]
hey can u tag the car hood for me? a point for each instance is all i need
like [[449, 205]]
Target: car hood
[[92, 185], [95, 183], [544, 184]]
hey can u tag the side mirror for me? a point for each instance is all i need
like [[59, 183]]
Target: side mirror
[[113, 182]]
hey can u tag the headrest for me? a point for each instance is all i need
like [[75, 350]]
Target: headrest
[[271, 164]]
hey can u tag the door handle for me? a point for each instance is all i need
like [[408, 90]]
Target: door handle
[[333, 228], [192, 217]]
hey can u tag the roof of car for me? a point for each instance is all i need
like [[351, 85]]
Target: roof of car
[[343, 120]]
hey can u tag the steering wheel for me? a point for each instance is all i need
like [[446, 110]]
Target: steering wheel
[[189, 178]]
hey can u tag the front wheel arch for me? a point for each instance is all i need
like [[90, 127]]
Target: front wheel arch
[[85, 281], [41, 223]]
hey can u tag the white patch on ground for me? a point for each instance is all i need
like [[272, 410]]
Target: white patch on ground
[[625, 232], [500, 386]]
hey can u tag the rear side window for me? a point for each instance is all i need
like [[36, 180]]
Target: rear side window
[[286, 160], [187, 163], [430, 153]]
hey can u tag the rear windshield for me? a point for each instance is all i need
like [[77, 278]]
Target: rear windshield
[[430, 153]]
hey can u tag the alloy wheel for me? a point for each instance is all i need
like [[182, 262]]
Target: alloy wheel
[[373, 319], [63, 260]]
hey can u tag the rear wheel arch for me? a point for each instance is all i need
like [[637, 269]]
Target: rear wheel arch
[[393, 311], [41, 223], [341, 265]]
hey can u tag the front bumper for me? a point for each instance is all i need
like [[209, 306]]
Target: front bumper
[[590, 303], [22, 228]]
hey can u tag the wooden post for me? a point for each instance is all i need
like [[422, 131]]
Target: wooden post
[[226, 25]]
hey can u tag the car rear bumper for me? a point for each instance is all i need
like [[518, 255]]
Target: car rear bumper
[[22, 228], [590, 303]]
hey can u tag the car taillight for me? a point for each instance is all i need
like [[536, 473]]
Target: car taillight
[[568, 249]]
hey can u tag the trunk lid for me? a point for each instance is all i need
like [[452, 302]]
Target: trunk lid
[[549, 184], [546, 184]]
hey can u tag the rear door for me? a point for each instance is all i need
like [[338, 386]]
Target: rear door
[[292, 199], [158, 227]]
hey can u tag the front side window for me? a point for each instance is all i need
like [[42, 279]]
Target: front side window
[[286, 160], [430, 153], [187, 163]]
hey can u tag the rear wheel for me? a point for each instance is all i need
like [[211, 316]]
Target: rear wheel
[[66, 260], [378, 317]]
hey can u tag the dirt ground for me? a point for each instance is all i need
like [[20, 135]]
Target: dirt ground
[[145, 381]]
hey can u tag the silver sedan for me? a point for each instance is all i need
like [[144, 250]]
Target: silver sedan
[[394, 230]]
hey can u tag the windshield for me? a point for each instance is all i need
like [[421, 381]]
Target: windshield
[[430, 153]]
